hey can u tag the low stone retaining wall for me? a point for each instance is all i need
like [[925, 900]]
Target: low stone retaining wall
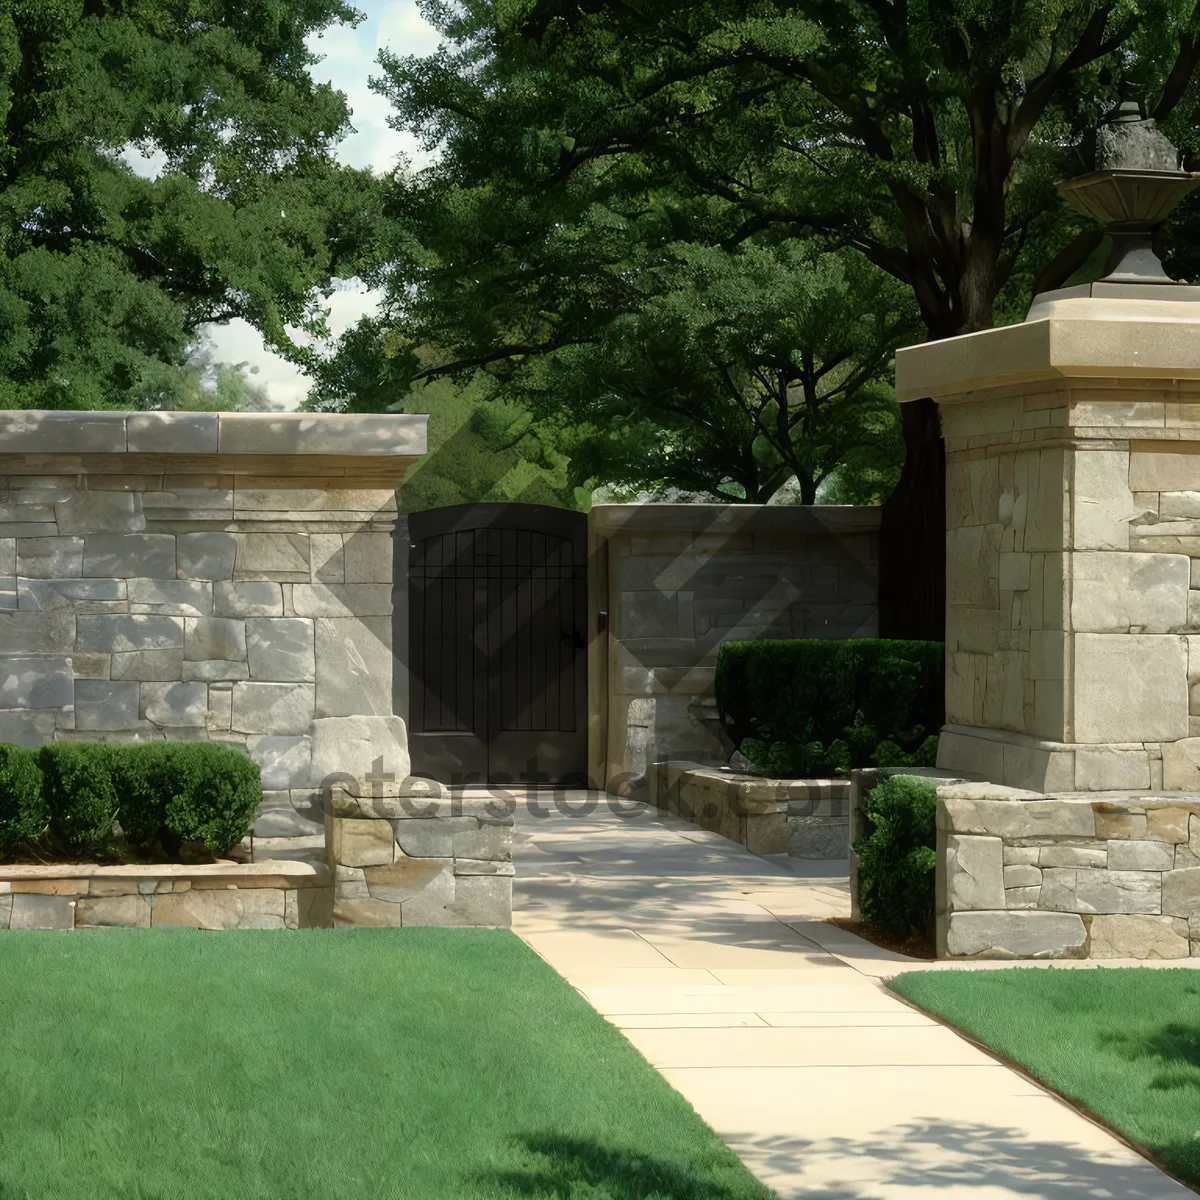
[[402, 858], [806, 818], [264, 895], [1071, 875]]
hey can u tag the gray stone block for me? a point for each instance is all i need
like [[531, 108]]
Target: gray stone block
[[106, 704], [281, 816], [1065, 889], [49, 557], [142, 631], [1016, 934], [284, 760], [486, 841], [482, 900], [431, 837], [481, 866], [59, 593], [354, 666], [129, 555], [37, 632], [368, 557], [31, 911], [208, 555], [99, 512], [175, 704], [251, 599], [324, 433], [272, 707], [36, 682], [126, 912], [1181, 893], [1128, 855], [819, 837], [326, 558], [27, 726], [72, 432], [215, 670], [281, 649], [8, 556], [181, 597], [172, 433], [214, 637], [342, 600], [974, 873], [277, 556], [353, 745], [5, 910]]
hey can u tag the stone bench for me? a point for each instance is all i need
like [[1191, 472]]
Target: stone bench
[[806, 818], [415, 855], [1068, 875]]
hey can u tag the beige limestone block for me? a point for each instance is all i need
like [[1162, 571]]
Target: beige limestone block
[[1022, 897], [376, 914], [1181, 765], [1114, 821], [1179, 504], [1021, 856], [972, 565], [1013, 574], [1138, 936], [1176, 469], [127, 911], [1106, 770], [1180, 893], [1115, 592], [1017, 818], [1103, 501], [1021, 875], [368, 557], [326, 559], [359, 843], [31, 911], [1130, 687], [1169, 824], [198, 909], [1041, 481], [972, 492], [274, 556]]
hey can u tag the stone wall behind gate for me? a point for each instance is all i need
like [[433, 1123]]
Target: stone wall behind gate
[[674, 581], [221, 577]]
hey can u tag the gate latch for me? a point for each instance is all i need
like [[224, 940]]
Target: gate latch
[[601, 622]]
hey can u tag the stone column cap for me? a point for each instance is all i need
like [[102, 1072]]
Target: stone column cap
[[1081, 337]]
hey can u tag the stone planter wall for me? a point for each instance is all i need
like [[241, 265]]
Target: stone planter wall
[[265, 895], [414, 855], [206, 576], [806, 818], [1027, 875], [675, 580]]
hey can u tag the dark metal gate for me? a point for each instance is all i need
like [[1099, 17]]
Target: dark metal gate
[[497, 652]]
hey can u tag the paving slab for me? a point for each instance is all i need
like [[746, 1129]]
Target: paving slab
[[721, 968]]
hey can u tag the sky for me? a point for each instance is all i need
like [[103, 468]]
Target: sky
[[349, 60]]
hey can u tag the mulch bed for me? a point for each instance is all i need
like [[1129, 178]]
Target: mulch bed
[[914, 947]]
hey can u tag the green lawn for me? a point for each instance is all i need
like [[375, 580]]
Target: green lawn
[[319, 1064], [1125, 1042]]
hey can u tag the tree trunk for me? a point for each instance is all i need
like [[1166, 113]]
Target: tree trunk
[[912, 535]]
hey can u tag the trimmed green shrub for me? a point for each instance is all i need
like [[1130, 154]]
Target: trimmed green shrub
[[78, 789], [216, 792], [23, 811], [802, 707], [143, 777], [897, 857]]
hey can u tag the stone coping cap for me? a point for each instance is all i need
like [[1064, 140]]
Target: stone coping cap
[[1135, 345], [995, 791], [41, 431], [733, 518], [12, 872], [741, 778]]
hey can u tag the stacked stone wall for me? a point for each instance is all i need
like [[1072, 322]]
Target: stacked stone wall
[[1028, 875]]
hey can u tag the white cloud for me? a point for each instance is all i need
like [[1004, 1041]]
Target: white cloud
[[349, 60]]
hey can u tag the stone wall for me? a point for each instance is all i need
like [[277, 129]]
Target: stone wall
[[266, 895], [1073, 538], [806, 818], [1027, 875], [410, 854], [675, 580], [222, 577]]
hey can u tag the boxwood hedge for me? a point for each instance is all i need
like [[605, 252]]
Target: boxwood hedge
[[803, 707]]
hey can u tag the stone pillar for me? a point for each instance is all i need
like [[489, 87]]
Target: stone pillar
[[211, 576], [1072, 540]]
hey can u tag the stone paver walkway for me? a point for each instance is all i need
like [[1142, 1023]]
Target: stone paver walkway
[[710, 960]]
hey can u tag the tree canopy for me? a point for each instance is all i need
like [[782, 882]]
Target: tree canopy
[[106, 276]]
